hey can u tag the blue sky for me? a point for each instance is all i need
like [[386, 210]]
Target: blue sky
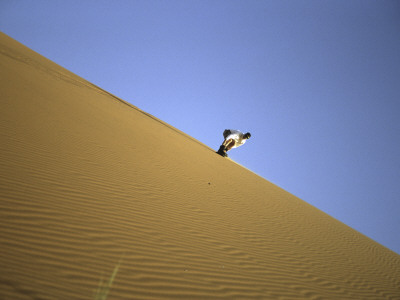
[[317, 83]]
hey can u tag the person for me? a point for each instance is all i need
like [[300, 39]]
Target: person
[[232, 139]]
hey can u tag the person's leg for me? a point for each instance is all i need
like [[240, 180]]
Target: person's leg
[[222, 149], [226, 142], [229, 144]]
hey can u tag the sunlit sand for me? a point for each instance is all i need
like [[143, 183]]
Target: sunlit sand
[[89, 182]]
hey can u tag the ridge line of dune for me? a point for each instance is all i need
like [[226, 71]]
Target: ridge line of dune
[[85, 180]]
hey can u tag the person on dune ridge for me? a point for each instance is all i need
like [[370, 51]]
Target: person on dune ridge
[[232, 139]]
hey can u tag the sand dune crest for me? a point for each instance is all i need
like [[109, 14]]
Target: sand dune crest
[[84, 182]]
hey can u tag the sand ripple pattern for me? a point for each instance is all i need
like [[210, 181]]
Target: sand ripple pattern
[[87, 180]]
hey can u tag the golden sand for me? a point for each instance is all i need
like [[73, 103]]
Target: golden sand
[[88, 181]]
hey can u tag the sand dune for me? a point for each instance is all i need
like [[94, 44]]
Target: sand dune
[[88, 180]]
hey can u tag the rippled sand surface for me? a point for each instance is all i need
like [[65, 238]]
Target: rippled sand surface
[[88, 181]]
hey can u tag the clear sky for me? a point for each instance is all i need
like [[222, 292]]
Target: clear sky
[[317, 83]]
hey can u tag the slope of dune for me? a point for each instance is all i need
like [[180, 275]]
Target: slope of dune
[[88, 180]]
